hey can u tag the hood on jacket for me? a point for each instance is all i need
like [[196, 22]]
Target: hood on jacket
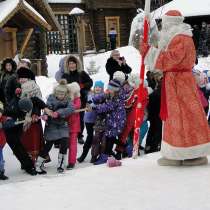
[[64, 63]]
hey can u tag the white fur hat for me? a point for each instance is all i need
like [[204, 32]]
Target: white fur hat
[[134, 80], [172, 17], [120, 76], [74, 90]]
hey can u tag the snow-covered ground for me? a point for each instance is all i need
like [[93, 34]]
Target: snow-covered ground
[[137, 184]]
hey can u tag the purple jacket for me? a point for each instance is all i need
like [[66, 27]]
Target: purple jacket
[[90, 117], [115, 114]]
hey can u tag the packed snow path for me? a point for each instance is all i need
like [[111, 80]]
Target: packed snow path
[[137, 184]]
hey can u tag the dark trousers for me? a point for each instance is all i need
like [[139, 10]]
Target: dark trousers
[[89, 139], [98, 144], [153, 141], [48, 146], [110, 141], [82, 125], [13, 137]]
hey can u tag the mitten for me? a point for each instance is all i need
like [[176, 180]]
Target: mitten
[[55, 115], [18, 91]]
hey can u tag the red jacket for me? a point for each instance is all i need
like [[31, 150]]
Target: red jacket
[[74, 119], [131, 104]]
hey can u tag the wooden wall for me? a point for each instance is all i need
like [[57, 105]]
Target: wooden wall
[[99, 25]]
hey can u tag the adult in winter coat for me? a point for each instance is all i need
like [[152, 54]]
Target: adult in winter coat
[[74, 73], [12, 83], [154, 136], [203, 41], [117, 63], [8, 68], [186, 136], [18, 110]]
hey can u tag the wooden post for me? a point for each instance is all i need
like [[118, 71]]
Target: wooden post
[[80, 39], [26, 40], [93, 40]]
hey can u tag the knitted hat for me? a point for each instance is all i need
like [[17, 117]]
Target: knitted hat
[[114, 85], [172, 17], [74, 90], [62, 88], [30, 89], [25, 73], [120, 76], [25, 104], [99, 83], [134, 80]]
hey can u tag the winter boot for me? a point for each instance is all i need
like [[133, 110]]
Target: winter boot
[[118, 155], [32, 171], [112, 162], [2, 176], [129, 150], [167, 162], [93, 159], [70, 166], [196, 161], [40, 165], [83, 156], [102, 159], [61, 163], [81, 140]]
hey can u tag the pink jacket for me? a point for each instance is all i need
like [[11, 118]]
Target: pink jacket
[[74, 119]]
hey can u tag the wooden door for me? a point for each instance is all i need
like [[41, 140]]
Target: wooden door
[[8, 43], [113, 22]]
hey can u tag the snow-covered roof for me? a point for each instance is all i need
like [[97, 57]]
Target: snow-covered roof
[[66, 1], [188, 8], [76, 11], [9, 8]]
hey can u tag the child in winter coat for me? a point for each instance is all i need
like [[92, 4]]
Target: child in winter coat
[[2, 143], [74, 123], [56, 128], [114, 107], [89, 119], [130, 105]]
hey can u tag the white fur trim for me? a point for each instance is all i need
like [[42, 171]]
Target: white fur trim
[[149, 90], [74, 90], [182, 153], [172, 19], [120, 76], [151, 57], [208, 73], [208, 86]]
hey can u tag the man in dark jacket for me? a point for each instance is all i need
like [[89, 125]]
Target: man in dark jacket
[[73, 73], [117, 63]]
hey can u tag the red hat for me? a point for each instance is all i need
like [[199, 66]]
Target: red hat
[[173, 17]]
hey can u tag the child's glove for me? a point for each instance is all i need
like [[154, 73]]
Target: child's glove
[[18, 91], [44, 117]]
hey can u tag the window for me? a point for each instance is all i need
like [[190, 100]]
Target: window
[[63, 45]]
